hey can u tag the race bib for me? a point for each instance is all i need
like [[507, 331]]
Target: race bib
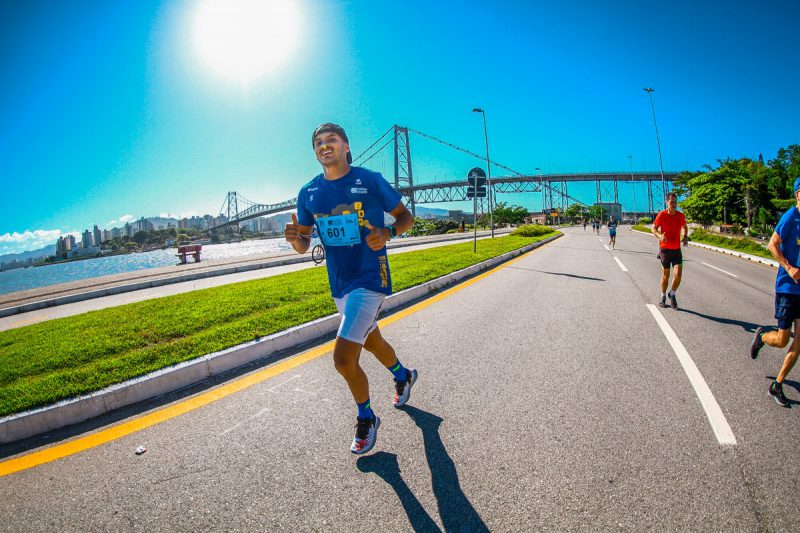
[[339, 230]]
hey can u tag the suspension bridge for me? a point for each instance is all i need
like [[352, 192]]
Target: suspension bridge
[[554, 187]]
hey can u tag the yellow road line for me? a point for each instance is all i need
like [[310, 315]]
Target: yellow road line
[[190, 404]]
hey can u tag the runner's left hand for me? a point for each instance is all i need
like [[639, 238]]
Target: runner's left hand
[[377, 237]]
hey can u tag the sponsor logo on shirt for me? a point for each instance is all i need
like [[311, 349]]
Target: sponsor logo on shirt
[[358, 190]]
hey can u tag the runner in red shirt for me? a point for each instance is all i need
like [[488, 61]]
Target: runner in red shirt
[[667, 227]]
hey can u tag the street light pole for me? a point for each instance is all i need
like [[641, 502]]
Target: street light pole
[[488, 168], [649, 91], [630, 162]]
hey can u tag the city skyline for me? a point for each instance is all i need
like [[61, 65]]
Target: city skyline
[[116, 110]]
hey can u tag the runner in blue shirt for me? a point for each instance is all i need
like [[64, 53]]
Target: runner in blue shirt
[[612, 232], [785, 247], [347, 205]]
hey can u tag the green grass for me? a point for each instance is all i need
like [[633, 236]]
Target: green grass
[[640, 227], [58, 359], [748, 246]]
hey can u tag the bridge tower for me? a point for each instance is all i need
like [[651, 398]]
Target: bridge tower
[[232, 212], [403, 176]]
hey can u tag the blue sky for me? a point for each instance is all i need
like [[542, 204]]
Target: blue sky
[[110, 111]]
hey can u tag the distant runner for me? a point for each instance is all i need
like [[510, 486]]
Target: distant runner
[[785, 247], [347, 205], [667, 227], [612, 232]]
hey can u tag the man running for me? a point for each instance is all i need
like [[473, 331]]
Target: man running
[[612, 232], [784, 245], [667, 227], [347, 206]]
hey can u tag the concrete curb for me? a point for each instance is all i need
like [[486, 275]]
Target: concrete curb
[[223, 271], [753, 258], [29, 423]]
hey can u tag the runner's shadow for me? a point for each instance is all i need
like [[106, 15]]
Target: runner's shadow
[[455, 509], [747, 326], [386, 466], [623, 250], [558, 273]]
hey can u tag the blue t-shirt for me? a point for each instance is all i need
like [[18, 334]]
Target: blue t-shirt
[[612, 227], [788, 229], [338, 209]]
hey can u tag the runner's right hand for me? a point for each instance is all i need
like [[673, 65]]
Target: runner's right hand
[[292, 231]]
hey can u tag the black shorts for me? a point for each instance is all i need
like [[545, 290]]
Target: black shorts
[[787, 309], [670, 257]]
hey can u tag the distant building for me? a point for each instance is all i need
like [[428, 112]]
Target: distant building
[[70, 242], [97, 236], [143, 225], [61, 247], [86, 241], [129, 230], [116, 233], [455, 215]]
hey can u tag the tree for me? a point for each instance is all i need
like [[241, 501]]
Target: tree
[[576, 211], [733, 192], [140, 237], [504, 214], [597, 212]]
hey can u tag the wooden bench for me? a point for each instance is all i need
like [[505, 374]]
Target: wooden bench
[[189, 249]]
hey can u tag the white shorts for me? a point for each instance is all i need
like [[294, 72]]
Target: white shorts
[[359, 309]]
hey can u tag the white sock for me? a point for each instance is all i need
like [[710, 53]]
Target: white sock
[[663, 295]]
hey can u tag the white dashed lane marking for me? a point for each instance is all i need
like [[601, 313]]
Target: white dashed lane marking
[[716, 417], [723, 271]]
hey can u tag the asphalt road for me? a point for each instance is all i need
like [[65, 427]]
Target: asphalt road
[[549, 398]]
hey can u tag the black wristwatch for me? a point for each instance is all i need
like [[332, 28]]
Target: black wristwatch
[[392, 232]]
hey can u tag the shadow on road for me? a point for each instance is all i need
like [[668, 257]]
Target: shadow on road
[[455, 509], [386, 466], [623, 250], [558, 273], [747, 326]]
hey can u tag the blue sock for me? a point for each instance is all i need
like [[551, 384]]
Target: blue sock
[[399, 371], [365, 410]]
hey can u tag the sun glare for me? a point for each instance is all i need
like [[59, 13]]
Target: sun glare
[[243, 40]]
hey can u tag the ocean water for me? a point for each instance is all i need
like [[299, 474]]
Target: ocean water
[[21, 279]]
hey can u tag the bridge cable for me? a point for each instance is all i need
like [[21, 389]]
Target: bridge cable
[[499, 165]]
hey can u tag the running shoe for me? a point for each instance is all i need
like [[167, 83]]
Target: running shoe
[[366, 435], [402, 389], [757, 343], [662, 302], [673, 302], [776, 391]]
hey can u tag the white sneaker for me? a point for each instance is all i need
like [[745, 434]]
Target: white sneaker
[[402, 389], [366, 435]]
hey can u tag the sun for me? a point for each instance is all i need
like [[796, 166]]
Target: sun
[[243, 40]]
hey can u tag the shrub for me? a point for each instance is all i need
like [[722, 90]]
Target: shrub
[[531, 230]]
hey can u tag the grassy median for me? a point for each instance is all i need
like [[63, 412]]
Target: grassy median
[[740, 244], [58, 359]]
